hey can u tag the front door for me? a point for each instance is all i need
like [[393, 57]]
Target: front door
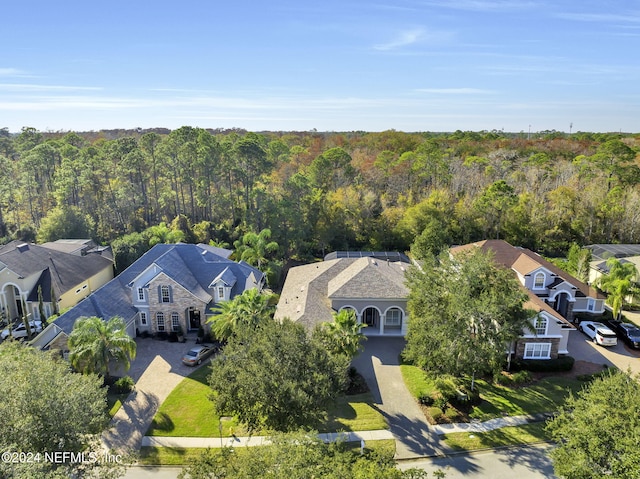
[[194, 319]]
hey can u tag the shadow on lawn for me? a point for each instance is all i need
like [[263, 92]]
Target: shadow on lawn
[[162, 423]]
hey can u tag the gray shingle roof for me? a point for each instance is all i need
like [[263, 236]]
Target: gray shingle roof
[[308, 289], [192, 266], [64, 270]]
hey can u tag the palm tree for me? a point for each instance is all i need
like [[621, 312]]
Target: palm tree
[[255, 247], [618, 284], [247, 309], [344, 334], [95, 343]]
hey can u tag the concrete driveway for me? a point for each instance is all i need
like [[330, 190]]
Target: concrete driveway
[[379, 364], [621, 356], [157, 370]]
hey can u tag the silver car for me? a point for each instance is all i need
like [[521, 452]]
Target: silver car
[[20, 331], [197, 354]]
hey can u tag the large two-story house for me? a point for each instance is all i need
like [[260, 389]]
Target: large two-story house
[[171, 288], [64, 276], [555, 295]]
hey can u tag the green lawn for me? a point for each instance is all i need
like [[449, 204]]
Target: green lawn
[[114, 402], [541, 396], [354, 413], [188, 412], [176, 456], [506, 436]]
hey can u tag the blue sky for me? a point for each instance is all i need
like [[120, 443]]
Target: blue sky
[[410, 65]]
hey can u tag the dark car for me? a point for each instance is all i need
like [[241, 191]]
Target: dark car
[[628, 332]]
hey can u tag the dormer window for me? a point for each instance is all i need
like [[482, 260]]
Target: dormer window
[[538, 281], [140, 294], [220, 292], [541, 326]]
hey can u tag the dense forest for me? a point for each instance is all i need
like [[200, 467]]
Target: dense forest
[[319, 192]]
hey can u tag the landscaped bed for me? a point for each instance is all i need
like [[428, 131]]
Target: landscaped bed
[[175, 456], [188, 412], [541, 394]]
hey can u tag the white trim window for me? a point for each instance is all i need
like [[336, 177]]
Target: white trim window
[[160, 321], [175, 322], [393, 317], [540, 325], [140, 294], [538, 281], [220, 293], [537, 351], [165, 295], [591, 304], [143, 318]]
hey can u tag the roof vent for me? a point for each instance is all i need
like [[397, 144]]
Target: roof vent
[[23, 247]]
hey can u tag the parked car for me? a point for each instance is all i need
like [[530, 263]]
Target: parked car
[[20, 331], [197, 354], [598, 333], [628, 332]]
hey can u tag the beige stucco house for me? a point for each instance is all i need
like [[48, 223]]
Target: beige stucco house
[[371, 284]]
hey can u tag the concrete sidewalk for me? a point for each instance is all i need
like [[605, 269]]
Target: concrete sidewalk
[[377, 435]]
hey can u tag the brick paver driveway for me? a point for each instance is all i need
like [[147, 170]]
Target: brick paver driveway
[[157, 370]]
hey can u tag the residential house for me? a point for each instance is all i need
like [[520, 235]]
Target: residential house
[[369, 283], [626, 253], [171, 288], [25, 268], [556, 296]]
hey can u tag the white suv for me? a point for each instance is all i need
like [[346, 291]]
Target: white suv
[[598, 333]]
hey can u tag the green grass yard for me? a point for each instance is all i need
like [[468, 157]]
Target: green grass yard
[[188, 412], [545, 395], [506, 436]]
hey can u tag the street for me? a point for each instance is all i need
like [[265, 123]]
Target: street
[[531, 462]]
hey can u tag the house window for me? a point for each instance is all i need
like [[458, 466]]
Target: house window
[[143, 318], [541, 325], [220, 292], [36, 312], [165, 297], [393, 317], [538, 281], [591, 304], [160, 320], [175, 322], [537, 351], [140, 294]]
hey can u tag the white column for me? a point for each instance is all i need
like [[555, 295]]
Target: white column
[[382, 317]]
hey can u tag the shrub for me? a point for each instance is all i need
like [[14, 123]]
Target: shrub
[[425, 399], [124, 385], [521, 377], [502, 379], [436, 414], [356, 384], [563, 363]]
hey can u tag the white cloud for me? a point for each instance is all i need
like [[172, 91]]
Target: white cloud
[[404, 39], [12, 72], [29, 87]]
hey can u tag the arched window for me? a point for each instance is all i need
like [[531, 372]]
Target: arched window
[[175, 322], [393, 317], [541, 325], [160, 321], [538, 281], [165, 295]]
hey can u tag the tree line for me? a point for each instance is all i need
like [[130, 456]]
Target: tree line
[[318, 192]]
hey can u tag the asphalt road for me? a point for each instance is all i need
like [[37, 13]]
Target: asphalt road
[[531, 462]]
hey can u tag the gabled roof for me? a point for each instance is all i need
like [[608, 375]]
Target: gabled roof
[[227, 277], [524, 261], [64, 270], [192, 266]]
